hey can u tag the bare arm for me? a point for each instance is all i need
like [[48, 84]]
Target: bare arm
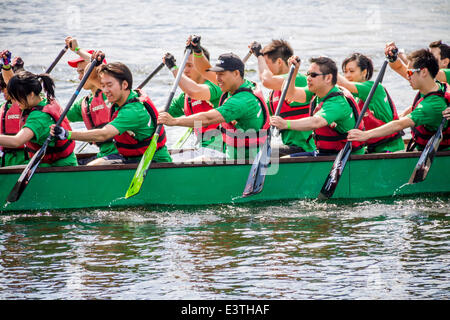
[[193, 89], [94, 135], [23, 136], [201, 119], [349, 85], [305, 124], [384, 130], [268, 79], [441, 76], [295, 93]]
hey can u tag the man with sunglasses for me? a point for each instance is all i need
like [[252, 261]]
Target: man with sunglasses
[[333, 110], [425, 115], [273, 69]]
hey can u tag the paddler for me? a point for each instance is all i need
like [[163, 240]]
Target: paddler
[[38, 113], [273, 68], [425, 114], [333, 110], [242, 111], [10, 118], [94, 109], [199, 95], [358, 70], [133, 119], [441, 52]]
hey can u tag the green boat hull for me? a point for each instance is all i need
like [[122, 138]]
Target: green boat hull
[[365, 176]]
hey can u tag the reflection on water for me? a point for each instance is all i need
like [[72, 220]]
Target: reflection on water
[[298, 250]]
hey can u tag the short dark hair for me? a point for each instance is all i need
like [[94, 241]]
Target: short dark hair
[[326, 66], [24, 82], [278, 49], [423, 58], [118, 71], [362, 61], [444, 49]]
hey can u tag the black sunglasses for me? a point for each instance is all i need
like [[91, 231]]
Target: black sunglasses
[[315, 74]]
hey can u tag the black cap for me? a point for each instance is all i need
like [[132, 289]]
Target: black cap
[[228, 62]]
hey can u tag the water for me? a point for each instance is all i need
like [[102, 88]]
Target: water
[[396, 248]]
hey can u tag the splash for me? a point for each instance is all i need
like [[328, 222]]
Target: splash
[[399, 188], [6, 204], [114, 201]]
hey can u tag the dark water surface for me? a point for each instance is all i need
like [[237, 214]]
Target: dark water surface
[[396, 248]]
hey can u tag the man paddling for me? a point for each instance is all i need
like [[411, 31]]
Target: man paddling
[[133, 120], [94, 109], [273, 68], [425, 114], [333, 110], [242, 111], [199, 95]]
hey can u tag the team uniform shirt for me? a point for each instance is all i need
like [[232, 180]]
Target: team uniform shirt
[[294, 137], [12, 158], [245, 109], [447, 75], [40, 122], [176, 110], [75, 115], [379, 105], [133, 117], [429, 112], [337, 110]]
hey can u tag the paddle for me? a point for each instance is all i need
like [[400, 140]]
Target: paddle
[[335, 174], [61, 53], [257, 174], [426, 158], [146, 160], [29, 170]]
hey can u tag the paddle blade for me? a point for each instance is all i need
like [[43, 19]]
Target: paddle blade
[[141, 171], [257, 174], [426, 159], [26, 175], [335, 174]]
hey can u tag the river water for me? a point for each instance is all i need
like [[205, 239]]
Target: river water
[[396, 248]]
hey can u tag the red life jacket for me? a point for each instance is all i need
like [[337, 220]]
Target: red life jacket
[[127, 145], [192, 106], [287, 111], [62, 148], [371, 122], [236, 138], [96, 114], [10, 123], [329, 140], [420, 134]]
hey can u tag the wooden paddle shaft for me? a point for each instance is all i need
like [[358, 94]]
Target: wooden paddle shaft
[[61, 53]]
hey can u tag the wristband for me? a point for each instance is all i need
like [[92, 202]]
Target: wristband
[[198, 55], [77, 49], [69, 135], [6, 66], [288, 122], [174, 68]]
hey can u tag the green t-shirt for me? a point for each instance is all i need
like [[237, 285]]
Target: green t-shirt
[[447, 75], [12, 158], [75, 115], [337, 109], [176, 110], [39, 122], [294, 137], [429, 112], [135, 118], [245, 110], [381, 109]]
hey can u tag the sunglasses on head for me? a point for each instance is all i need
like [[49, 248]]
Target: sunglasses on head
[[410, 72], [315, 74]]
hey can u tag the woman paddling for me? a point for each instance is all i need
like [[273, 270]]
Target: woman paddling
[[358, 69], [38, 113]]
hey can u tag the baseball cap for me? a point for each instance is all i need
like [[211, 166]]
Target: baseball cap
[[74, 63], [228, 62]]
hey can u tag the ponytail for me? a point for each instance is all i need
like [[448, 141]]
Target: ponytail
[[24, 83]]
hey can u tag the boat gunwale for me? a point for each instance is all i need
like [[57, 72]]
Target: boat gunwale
[[133, 166]]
